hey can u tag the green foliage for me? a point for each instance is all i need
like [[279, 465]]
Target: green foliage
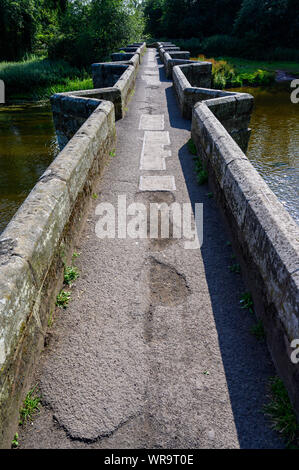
[[107, 25], [18, 25], [247, 302], [71, 273], [223, 44], [226, 75], [66, 85], [30, 406], [200, 170], [258, 331], [280, 411], [78, 31], [63, 299], [250, 66], [15, 441], [40, 78], [267, 24], [27, 26], [241, 28], [191, 147], [235, 268]]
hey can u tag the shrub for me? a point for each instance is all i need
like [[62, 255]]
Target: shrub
[[224, 75]]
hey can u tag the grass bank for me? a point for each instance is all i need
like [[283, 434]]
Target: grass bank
[[231, 72], [246, 65], [37, 78]]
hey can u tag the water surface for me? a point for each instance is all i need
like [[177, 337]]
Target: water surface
[[27, 147], [274, 144]]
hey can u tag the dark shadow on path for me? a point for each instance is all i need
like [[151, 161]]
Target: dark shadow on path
[[246, 362]]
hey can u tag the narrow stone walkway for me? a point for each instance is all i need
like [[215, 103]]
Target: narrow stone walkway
[[154, 350]]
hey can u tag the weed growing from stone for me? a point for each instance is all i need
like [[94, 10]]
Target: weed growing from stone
[[30, 406], [280, 412], [71, 273], [95, 196], [201, 173], [63, 299], [247, 302], [75, 255], [112, 153], [258, 331], [191, 147], [235, 268], [15, 441]]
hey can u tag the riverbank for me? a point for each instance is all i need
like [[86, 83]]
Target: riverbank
[[236, 72], [37, 78]]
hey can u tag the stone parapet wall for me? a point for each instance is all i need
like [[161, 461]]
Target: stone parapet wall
[[41, 236], [232, 109], [35, 244], [119, 76], [264, 235]]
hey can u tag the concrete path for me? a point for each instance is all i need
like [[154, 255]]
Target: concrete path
[[154, 350]]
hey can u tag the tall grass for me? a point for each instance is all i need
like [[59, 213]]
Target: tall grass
[[38, 78]]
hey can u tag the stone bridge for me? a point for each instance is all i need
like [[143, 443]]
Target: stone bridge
[[154, 349]]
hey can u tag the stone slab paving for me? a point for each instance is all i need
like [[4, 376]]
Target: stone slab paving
[[154, 350]]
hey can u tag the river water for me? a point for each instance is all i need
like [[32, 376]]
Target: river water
[[28, 145], [274, 143]]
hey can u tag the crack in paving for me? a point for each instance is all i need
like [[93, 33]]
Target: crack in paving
[[168, 287], [98, 438]]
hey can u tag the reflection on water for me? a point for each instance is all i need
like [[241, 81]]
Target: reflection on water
[[27, 147], [274, 143]]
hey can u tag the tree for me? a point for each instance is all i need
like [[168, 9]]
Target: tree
[[17, 28], [153, 12], [268, 23], [90, 31]]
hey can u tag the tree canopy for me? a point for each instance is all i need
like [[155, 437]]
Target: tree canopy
[[79, 31], [84, 31], [265, 23]]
